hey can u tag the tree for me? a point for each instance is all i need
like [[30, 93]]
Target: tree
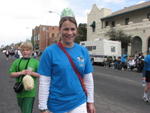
[[119, 35], [82, 33]]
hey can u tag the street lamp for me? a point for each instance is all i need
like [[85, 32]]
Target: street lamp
[[54, 12]]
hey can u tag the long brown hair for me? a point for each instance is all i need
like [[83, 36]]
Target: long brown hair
[[71, 19]]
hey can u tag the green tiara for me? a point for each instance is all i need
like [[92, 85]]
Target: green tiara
[[67, 12]]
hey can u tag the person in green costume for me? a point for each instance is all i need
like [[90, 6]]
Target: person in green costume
[[25, 66]]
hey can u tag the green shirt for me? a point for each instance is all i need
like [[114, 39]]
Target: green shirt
[[33, 64]]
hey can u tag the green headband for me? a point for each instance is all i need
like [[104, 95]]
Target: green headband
[[67, 12]]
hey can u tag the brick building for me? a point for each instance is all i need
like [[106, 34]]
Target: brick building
[[43, 35]]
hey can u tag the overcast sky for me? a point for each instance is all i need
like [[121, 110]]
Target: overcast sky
[[19, 17]]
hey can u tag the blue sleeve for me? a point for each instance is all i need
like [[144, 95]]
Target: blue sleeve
[[88, 64], [145, 60], [45, 63]]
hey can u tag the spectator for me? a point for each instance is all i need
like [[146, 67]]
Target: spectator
[[18, 69]]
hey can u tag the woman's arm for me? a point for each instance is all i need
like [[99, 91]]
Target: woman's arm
[[44, 84], [89, 84]]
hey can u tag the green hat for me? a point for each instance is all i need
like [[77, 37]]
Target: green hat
[[67, 12]]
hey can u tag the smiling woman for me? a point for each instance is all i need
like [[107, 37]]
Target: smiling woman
[[66, 81]]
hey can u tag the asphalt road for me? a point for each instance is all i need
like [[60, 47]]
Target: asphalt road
[[118, 91], [115, 91]]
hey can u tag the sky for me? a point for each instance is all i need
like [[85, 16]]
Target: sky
[[19, 17]]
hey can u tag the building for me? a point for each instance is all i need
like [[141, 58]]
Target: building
[[133, 20], [43, 35]]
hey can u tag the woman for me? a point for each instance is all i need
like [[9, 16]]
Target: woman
[[60, 90], [25, 66]]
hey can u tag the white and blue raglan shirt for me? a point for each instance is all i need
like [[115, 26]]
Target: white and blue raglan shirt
[[65, 91]]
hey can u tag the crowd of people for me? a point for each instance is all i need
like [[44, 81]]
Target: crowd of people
[[16, 53], [125, 62]]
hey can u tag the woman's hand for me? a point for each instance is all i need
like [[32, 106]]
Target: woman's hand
[[91, 108]]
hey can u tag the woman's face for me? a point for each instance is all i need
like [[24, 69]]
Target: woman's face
[[68, 32]]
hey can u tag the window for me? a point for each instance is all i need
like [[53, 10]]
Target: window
[[106, 23], [53, 34], [113, 24], [148, 16], [126, 21], [94, 47], [44, 29], [113, 49], [38, 37], [82, 43], [89, 48], [93, 25]]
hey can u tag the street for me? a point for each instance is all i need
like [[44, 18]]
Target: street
[[119, 91], [115, 91]]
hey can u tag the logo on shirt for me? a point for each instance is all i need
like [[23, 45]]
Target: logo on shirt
[[81, 61]]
